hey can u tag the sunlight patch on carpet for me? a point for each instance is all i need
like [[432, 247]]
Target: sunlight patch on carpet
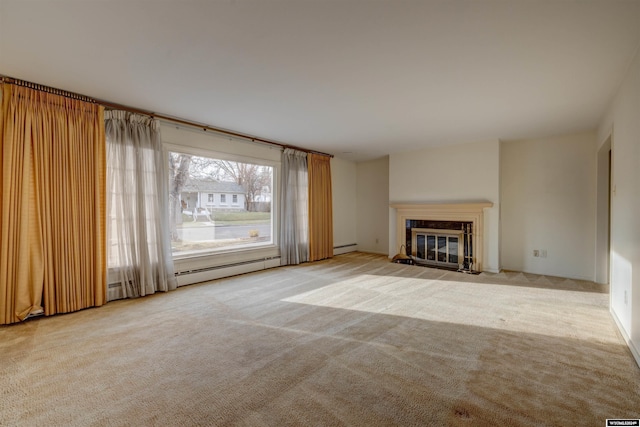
[[487, 305]]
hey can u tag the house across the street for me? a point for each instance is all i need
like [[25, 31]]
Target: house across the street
[[210, 194]]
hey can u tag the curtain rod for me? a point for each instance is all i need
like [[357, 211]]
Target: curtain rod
[[47, 89], [112, 105]]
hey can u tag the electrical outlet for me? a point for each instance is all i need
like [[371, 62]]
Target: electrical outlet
[[543, 253], [536, 253], [377, 241], [625, 297]]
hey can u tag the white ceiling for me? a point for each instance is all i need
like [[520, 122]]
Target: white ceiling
[[355, 78]]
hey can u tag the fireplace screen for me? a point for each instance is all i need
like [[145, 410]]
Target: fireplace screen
[[443, 244], [437, 248]]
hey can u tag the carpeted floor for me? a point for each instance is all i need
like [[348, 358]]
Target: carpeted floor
[[354, 340]]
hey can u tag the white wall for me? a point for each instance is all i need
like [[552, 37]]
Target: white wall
[[548, 203], [343, 187], [228, 147], [373, 206], [459, 173], [623, 117]]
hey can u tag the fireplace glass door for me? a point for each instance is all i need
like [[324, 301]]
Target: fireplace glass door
[[438, 249]]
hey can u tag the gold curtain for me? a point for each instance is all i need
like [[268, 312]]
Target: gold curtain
[[52, 202], [320, 207]]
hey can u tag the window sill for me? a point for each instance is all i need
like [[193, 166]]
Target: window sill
[[230, 251]]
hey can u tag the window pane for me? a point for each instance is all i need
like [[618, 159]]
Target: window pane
[[198, 224], [442, 249], [420, 250], [431, 248], [453, 250]]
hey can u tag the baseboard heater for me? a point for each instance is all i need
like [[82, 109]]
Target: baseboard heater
[[343, 249], [218, 267], [197, 275]]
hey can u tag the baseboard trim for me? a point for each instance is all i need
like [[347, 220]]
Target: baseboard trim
[[626, 338], [367, 251]]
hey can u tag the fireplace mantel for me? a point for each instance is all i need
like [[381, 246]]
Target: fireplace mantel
[[465, 212]]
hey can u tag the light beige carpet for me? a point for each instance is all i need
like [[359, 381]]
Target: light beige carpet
[[354, 340]]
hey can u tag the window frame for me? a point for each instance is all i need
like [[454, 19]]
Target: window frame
[[273, 245]]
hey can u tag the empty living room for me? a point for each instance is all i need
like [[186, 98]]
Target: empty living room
[[318, 213]]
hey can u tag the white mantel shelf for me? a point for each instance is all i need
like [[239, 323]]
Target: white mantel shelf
[[463, 212], [446, 207]]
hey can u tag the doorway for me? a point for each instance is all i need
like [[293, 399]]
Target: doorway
[[603, 212]]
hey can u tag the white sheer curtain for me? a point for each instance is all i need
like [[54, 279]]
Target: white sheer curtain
[[139, 252], [294, 220]]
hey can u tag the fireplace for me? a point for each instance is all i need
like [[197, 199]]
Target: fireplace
[[442, 235], [444, 244]]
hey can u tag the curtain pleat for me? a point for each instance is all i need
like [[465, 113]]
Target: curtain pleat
[[320, 207], [52, 234], [294, 217], [138, 210]]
